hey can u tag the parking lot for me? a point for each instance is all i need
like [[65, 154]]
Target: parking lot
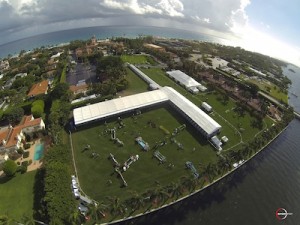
[[80, 72]]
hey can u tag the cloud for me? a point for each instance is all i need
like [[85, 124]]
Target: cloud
[[213, 14]]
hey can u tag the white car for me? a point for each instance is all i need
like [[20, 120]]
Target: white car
[[82, 208], [76, 193]]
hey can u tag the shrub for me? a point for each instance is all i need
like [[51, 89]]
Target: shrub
[[26, 155], [23, 169], [37, 108], [27, 146], [28, 137], [10, 168], [18, 163], [24, 163], [20, 151], [29, 162], [14, 156]]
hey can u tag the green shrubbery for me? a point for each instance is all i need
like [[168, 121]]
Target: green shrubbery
[[60, 202], [20, 151], [27, 146], [10, 168], [26, 155], [37, 108]]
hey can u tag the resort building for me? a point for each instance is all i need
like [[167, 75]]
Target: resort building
[[102, 110], [38, 89], [11, 138], [186, 81]]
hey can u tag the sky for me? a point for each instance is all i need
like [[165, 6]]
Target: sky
[[271, 27]]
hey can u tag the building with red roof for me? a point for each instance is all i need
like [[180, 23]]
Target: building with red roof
[[38, 89], [11, 138]]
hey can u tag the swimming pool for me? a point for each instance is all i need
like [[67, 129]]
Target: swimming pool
[[38, 151]]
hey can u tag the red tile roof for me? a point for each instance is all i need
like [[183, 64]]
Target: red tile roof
[[39, 88], [79, 88], [10, 135]]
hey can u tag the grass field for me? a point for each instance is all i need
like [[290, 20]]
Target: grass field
[[274, 90], [142, 175], [136, 85], [16, 195], [138, 59]]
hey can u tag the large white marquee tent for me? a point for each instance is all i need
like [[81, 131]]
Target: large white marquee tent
[[102, 110]]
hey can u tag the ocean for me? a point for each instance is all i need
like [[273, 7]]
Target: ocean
[[249, 196], [55, 38]]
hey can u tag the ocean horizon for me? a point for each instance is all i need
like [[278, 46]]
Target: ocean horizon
[[101, 32]]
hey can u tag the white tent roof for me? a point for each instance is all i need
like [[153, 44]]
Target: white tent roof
[[203, 120], [108, 108], [184, 79], [119, 105]]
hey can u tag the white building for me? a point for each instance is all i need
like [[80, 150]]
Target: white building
[[206, 107], [99, 111], [186, 81]]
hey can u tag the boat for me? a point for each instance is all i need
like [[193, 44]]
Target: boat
[[293, 93]]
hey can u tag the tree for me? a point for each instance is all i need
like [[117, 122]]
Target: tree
[[14, 115], [176, 189], [117, 208], [96, 211], [189, 182], [10, 168], [27, 220], [76, 218], [61, 91], [137, 201], [5, 220]]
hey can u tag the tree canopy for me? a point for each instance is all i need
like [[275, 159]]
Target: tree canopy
[[10, 168]]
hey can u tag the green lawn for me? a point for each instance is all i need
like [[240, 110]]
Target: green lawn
[[274, 90], [136, 85], [138, 59], [16, 195], [142, 175]]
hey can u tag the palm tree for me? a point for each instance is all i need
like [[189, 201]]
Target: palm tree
[[223, 165], [137, 201], [176, 189], [189, 183], [75, 218], [210, 172], [117, 208], [5, 220], [158, 194], [27, 220], [96, 211]]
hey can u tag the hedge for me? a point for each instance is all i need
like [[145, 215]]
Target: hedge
[[37, 108], [26, 155]]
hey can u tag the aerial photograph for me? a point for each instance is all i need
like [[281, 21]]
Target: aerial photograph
[[161, 112]]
